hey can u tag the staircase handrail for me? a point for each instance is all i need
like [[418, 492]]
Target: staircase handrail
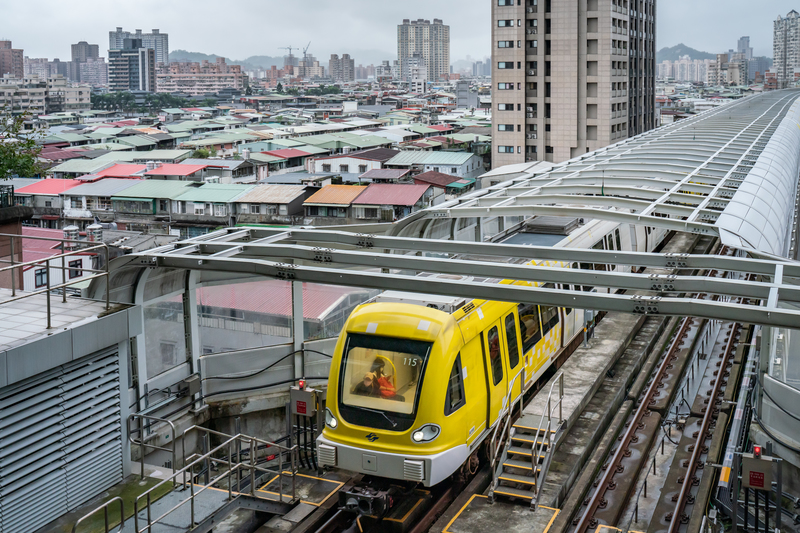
[[538, 448], [494, 446]]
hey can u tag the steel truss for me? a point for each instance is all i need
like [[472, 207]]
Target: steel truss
[[391, 263]]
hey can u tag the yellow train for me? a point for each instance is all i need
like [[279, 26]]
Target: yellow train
[[418, 381]]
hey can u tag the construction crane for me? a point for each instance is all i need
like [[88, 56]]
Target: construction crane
[[290, 48], [305, 53]]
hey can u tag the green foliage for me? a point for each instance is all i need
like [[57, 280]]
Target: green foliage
[[279, 88], [18, 149], [204, 153], [323, 90], [294, 91]]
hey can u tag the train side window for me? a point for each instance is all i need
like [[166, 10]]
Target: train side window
[[618, 239], [511, 339], [494, 355], [529, 326], [549, 318], [567, 310], [455, 389], [599, 246]]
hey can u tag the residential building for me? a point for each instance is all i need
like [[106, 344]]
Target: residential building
[[198, 79], [383, 72], [89, 201], [430, 40], [387, 202], [145, 206], [758, 66], [743, 48], [355, 162], [81, 53], [41, 96], [271, 204], [35, 277], [786, 48], [132, 68], [332, 202], [156, 41], [94, 72], [44, 197], [569, 81], [310, 68], [464, 165], [206, 207], [342, 69], [11, 60]]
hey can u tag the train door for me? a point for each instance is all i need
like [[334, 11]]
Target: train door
[[516, 371], [498, 385]]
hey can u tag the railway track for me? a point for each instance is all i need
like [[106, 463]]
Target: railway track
[[632, 458]]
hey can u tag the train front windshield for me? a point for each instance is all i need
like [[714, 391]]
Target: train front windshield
[[380, 380]]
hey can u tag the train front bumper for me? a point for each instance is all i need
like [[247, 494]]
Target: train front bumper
[[426, 469]]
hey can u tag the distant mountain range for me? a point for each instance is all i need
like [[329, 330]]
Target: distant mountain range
[[674, 53], [251, 63]]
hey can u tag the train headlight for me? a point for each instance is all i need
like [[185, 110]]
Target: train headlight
[[330, 420], [426, 433]]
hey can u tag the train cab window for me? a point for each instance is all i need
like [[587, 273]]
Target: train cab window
[[455, 389], [549, 318], [529, 326], [494, 355], [511, 339], [380, 380]]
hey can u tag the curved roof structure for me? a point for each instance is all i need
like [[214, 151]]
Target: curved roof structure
[[731, 171]]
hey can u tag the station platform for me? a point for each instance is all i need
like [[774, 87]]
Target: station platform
[[479, 515]]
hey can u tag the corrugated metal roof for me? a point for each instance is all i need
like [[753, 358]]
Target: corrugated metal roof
[[82, 166], [121, 171], [272, 194], [49, 187], [274, 297], [179, 169], [409, 158], [391, 194], [136, 140], [147, 189], [288, 153], [104, 187], [335, 195], [436, 178], [385, 173], [264, 158], [215, 193]]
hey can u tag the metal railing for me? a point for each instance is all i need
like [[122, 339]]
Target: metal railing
[[104, 508], [547, 432], [501, 436], [81, 248], [142, 442], [233, 469]]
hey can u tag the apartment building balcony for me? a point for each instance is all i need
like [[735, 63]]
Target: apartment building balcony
[[532, 9], [531, 93]]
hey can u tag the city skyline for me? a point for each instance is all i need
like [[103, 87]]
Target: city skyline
[[371, 30]]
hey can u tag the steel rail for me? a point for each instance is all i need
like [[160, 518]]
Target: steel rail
[[644, 406], [677, 514]]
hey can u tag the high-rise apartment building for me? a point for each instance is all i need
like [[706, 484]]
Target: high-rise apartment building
[[743, 47], [198, 79], [432, 41], [94, 72], [342, 69], [570, 77], [155, 40], [786, 47], [11, 60], [83, 51], [132, 68]]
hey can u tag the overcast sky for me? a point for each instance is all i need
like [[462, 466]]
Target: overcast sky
[[364, 28]]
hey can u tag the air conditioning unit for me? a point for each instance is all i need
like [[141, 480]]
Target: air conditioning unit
[[531, 73], [531, 136]]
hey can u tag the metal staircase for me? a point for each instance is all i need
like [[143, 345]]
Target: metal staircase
[[524, 450]]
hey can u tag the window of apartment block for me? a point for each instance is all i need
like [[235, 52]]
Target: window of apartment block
[[362, 168], [220, 210], [505, 149], [244, 209], [199, 209], [505, 44], [505, 2], [505, 107], [505, 23], [505, 65], [505, 86], [344, 168], [326, 168], [505, 127]]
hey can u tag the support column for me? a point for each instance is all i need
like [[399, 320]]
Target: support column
[[297, 329]]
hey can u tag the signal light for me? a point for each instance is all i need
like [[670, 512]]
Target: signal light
[[302, 384], [757, 452]]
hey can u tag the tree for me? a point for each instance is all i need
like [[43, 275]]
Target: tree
[[279, 88], [204, 153], [19, 153]]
